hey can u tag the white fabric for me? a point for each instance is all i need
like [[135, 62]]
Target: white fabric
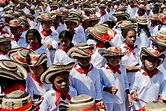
[[20, 43]]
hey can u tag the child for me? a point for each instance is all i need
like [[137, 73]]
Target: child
[[58, 76], [83, 76], [5, 46], [61, 55], [114, 80], [38, 65], [33, 38], [147, 85]]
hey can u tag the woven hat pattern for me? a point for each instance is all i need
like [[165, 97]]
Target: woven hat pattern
[[4, 38], [16, 23], [45, 17], [142, 20], [125, 24]]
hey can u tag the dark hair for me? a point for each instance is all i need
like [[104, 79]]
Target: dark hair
[[65, 34], [110, 24], [145, 28], [35, 32], [54, 76], [125, 31]]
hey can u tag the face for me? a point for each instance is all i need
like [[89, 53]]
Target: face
[[150, 63], [32, 39], [102, 9], [37, 70], [161, 48], [70, 26], [5, 46], [57, 19], [15, 30], [93, 23], [130, 38], [114, 61], [61, 82], [84, 61], [64, 42], [46, 25]]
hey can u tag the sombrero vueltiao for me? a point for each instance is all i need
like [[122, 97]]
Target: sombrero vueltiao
[[19, 55], [154, 17], [101, 32], [4, 38], [112, 51], [142, 20], [44, 17], [18, 101], [81, 51], [34, 59], [145, 52], [125, 24], [72, 19], [160, 38], [162, 17], [79, 103], [12, 70], [54, 70], [16, 23], [121, 14]]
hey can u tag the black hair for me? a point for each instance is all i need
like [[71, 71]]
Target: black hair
[[110, 24], [35, 32], [125, 31], [65, 34], [145, 28], [55, 75]]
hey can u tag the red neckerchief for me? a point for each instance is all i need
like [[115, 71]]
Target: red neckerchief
[[115, 69], [102, 13], [37, 80], [142, 109], [4, 32], [115, 33], [66, 49], [36, 46], [139, 14], [83, 71], [133, 6], [26, 28], [46, 33], [2, 53], [56, 25], [16, 38], [152, 73], [130, 49], [14, 88], [59, 95], [100, 45]]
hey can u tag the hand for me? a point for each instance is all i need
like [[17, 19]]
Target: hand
[[113, 90], [48, 46], [100, 106], [131, 102], [160, 99], [134, 96]]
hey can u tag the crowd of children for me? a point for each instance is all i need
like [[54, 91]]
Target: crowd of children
[[80, 55]]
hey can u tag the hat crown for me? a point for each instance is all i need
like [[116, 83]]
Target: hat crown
[[101, 29], [9, 66], [114, 49]]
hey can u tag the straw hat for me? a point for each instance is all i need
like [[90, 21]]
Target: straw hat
[[79, 103], [92, 17], [121, 14], [8, 16], [112, 51], [142, 20], [145, 52], [88, 10], [162, 17], [72, 19], [81, 50], [19, 55], [160, 38], [54, 70], [141, 6], [4, 38], [154, 17], [122, 8], [125, 24], [12, 70], [148, 7], [16, 23], [102, 5], [101, 32], [34, 59], [45, 17]]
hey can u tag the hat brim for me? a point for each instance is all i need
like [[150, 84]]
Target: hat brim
[[146, 53], [20, 75], [126, 15], [157, 41], [75, 21], [53, 70], [162, 16], [106, 53]]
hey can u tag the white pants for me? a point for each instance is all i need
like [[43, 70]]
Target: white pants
[[115, 107]]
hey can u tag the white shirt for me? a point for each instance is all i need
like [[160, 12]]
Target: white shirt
[[20, 43], [109, 79], [48, 103], [78, 38], [86, 84], [103, 18]]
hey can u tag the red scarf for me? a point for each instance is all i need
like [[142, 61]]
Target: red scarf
[[101, 45], [142, 109], [59, 95], [56, 25], [102, 13], [3, 53], [83, 71], [115, 69], [151, 74], [133, 6], [14, 88], [36, 46], [16, 38], [4, 32], [46, 33], [130, 49], [66, 49], [37, 80]]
